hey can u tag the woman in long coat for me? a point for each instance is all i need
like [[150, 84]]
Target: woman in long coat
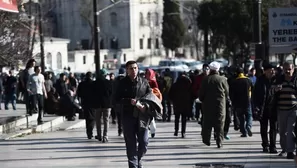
[[181, 96]]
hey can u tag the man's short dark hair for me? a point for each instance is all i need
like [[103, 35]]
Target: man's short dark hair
[[36, 67], [239, 70], [89, 75], [252, 69], [205, 65], [62, 75], [130, 63]]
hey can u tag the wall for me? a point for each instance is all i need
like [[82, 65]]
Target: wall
[[54, 48], [77, 64]]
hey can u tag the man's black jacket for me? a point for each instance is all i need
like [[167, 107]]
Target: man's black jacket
[[261, 96], [128, 89], [85, 91], [103, 93]]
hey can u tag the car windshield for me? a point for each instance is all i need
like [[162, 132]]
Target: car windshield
[[170, 63], [193, 63]]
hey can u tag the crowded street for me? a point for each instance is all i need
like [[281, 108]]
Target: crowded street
[[69, 149]]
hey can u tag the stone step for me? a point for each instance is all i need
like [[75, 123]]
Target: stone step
[[10, 124], [50, 123]]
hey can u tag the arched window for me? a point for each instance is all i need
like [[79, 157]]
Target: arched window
[[113, 19], [84, 59], [149, 19], [141, 19], [37, 58], [59, 61], [156, 19], [49, 59]]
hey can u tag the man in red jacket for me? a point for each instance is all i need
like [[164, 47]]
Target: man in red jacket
[[196, 86]]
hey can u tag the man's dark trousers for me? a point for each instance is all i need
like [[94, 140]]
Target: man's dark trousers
[[89, 114], [272, 130], [131, 130]]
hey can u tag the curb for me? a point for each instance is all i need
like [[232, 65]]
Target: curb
[[80, 124], [9, 127], [45, 127], [28, 131], [48, 126]]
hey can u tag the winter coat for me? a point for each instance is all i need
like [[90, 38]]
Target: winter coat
[[154, 109], [181, 96], [213, 92]]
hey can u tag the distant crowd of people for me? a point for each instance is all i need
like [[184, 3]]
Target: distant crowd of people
[[135, 101]]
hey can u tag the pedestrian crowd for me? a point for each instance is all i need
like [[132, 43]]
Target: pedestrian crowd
[[134, 101]]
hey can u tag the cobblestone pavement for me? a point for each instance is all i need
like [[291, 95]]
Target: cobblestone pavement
[[71, 149]]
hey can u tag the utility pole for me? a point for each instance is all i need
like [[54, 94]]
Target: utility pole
[[257, 35], [97, 32], [42, 63], [96, 39]]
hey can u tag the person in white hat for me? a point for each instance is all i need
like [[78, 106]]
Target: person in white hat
[[213, 92]]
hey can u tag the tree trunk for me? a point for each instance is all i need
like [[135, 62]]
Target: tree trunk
[[197, 50], [281, 59], [206, 53], [294, 59], [92, 37]]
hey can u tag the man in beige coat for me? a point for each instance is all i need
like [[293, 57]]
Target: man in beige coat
[[213, 92]]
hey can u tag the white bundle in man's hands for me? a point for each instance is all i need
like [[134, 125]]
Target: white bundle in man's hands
[[139, 105]]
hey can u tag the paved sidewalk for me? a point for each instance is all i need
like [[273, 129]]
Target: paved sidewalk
[[71, 149]]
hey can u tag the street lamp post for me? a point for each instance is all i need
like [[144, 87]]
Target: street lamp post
[[97, 32], [42, 62], [30, 18], [257, 34], [96, 39]]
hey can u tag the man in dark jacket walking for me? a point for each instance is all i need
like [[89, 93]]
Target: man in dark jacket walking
[[103, 99], [130, 90], [241, 100], [263, 111], [116, 105], [85, 93]]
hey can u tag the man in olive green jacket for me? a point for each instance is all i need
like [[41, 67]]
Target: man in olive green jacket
[[213, 92]]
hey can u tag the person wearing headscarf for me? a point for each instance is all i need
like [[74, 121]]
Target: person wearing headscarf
[[151, 77], [213, 93]]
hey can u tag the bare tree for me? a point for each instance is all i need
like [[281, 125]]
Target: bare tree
[[194, 37], [13, 38], [86, 12]]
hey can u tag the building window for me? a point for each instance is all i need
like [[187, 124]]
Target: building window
[[149, 19], [59, 61], [71, 58], [141, 19], [114, 56], [101, 44], [156, 19], [49, 59], [149, 43], [114, 44], [85, 44], [125, 57], [141, 43], [84, 22], [113, 19], [105, 57], [84, 59], [157, 44]]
